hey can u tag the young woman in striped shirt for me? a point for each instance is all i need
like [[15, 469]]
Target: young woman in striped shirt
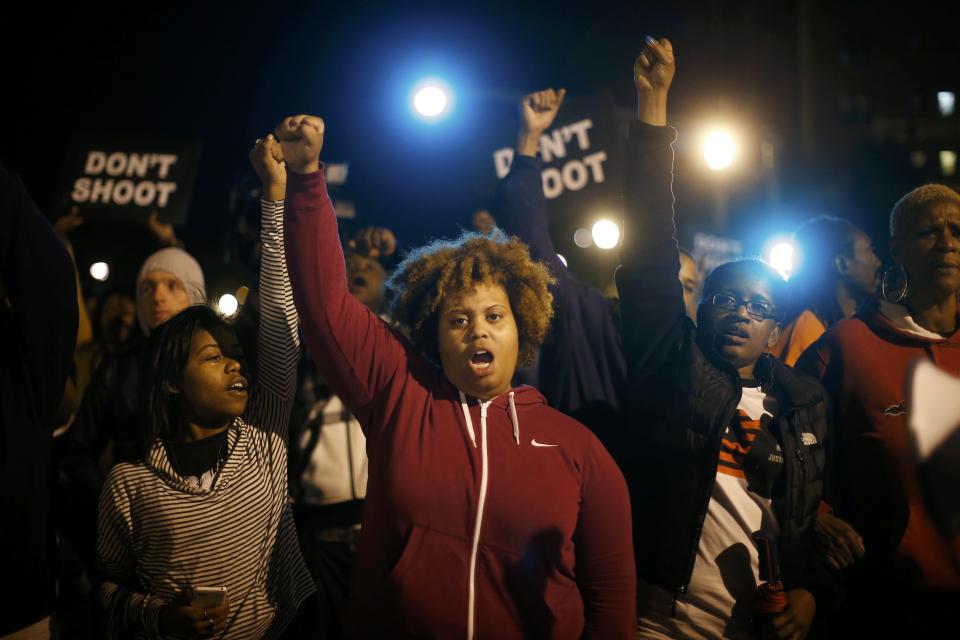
[[206, 505]]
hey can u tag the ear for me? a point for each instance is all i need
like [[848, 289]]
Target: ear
[[774, 335], [840, 264]]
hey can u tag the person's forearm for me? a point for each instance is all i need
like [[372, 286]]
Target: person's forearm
[[527, 142], [351, 346], [278, 345], [652, 108], [274, 191]]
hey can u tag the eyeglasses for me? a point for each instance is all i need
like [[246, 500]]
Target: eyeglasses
[[756, 309]]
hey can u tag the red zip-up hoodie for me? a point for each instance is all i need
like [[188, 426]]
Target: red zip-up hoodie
[[500, 519], [863, 364]]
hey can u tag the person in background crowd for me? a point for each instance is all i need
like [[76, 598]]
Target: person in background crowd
[[837, 272], [114, 333], [720, 440], [38, 325], [908, 572], [488, 514], [691, 280], [205, 505], [580, 368], [328, 459]]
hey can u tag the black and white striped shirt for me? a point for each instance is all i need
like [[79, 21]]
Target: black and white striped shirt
[[159, 534]]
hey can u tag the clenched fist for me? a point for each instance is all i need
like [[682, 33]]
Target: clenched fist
[[653, 73], [374, 242], [301, 138], [267, 160], [538, 111]]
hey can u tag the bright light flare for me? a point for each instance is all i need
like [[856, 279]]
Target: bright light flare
[[100, 271], [946, 102], [562, 259], [606, 234], [228, 304], [781, 258], [948, 163], [719, 150], [582, 238], [432, 99]]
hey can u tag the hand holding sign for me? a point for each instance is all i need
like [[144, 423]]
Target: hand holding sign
[[267, 160], [164, 232], [538, 110], [301, 138], [653, 73]]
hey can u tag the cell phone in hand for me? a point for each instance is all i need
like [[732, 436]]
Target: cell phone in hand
[[207, 597]]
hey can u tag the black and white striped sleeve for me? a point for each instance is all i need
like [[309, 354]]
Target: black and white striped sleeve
[[127, 609], [278, 344]]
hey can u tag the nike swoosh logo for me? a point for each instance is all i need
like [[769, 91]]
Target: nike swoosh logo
[[895, 409], [540, 444]]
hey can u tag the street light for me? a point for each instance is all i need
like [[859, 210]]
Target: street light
[[781, 258], [719, 149], [606, 234], [100, 271], [228, 304], [432, 99]]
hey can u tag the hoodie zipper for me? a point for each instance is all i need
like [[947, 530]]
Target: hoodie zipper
[[481, 503]]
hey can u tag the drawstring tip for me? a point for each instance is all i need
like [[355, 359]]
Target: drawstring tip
[[515, 420]]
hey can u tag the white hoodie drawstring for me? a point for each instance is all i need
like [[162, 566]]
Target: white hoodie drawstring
[[514, 419], [466, 416]]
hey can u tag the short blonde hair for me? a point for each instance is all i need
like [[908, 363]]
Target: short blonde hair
[[914, 203], [447, 267]]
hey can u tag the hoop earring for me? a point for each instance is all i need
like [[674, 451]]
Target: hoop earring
[[885, 286]]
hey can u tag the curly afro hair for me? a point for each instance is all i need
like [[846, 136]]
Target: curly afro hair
[[448, 267]]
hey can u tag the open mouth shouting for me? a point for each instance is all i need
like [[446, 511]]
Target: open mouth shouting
[[358, 282], [238, 386], [481, 363]]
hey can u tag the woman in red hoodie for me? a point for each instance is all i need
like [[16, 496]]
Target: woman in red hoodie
[[488, 514], [909, 571]]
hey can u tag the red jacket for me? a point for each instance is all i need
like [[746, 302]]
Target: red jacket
[[512, 523], [863, 365]]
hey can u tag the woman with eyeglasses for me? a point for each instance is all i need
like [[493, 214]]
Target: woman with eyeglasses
[[721, 440], [909, 570]]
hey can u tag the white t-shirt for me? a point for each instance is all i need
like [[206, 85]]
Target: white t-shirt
[[719, 600]]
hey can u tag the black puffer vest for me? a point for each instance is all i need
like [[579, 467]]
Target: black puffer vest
[[677, 417]]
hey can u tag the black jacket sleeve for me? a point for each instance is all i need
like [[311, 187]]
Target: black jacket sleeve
[[37, 278], [651, 298]]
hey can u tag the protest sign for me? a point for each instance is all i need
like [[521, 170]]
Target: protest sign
[[581, 160], [127, 179]]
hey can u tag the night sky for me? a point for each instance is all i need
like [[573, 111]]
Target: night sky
[[225, 74]]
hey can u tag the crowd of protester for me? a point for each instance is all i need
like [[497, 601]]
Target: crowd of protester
[[469, 441]]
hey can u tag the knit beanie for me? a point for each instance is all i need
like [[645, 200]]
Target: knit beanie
[[181, 264]]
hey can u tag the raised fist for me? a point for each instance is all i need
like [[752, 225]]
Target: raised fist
[[539, 109], [374, 242], [301, 138], [654, 68], [653, 73], [267, 160]]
